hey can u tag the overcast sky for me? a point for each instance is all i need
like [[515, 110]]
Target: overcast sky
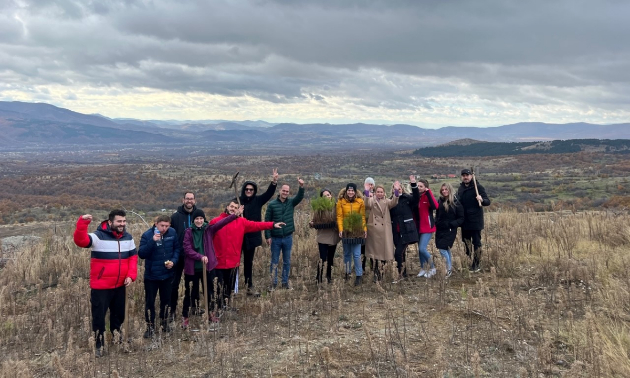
[[428, 63]]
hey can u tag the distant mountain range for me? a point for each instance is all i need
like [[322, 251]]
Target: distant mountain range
[[38, 125]]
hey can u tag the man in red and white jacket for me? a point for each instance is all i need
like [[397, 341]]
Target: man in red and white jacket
[[113, 266]]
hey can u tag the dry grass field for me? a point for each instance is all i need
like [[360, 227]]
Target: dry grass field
[[553, 301]]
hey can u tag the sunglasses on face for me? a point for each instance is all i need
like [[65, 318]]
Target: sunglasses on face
[[249, 189]]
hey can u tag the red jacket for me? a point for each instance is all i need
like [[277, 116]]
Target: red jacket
[[424, 214], [229, 240], [114, 256]]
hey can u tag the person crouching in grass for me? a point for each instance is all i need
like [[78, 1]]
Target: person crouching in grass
[[160, 250]]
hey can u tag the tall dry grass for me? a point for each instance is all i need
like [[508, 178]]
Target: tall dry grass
[[554, 300]]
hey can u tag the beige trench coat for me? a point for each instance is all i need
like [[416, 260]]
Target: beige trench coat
[[379, 244], [329, 236]]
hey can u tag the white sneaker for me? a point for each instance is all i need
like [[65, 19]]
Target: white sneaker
[[422, 273], [431, 273]]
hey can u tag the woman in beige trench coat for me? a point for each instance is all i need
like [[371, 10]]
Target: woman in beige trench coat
[[379, 243]]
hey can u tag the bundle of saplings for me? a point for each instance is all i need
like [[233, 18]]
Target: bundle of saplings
[[323, 212], [353, 229]]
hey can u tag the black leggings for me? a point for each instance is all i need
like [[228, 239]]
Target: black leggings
[[326, 257], [400, 255]]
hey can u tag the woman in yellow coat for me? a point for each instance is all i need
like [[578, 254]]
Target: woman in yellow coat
[[350, 202], [379, 243]]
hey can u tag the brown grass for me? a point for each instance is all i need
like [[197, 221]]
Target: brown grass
[[554, 300]]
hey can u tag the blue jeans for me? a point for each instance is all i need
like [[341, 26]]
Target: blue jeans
[[281, 244], [446, 253], [425, 256], [352, 252]]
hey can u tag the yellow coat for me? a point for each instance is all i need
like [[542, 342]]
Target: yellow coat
[[345, 207]]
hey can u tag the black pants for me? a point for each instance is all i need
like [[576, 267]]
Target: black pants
[[400, 255], [174, 296], [378, 266], [191, 297], [102, 300], [364, 259], [226, 279], [473, 237], [151, 289], [248, 265], [326, 257], [195, 280]]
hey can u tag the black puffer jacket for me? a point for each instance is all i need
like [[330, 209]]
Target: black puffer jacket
[[446, 223], [473, 213], [252, 211], [403, 226]]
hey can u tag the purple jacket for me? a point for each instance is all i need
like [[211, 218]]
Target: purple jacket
[[190, 255]]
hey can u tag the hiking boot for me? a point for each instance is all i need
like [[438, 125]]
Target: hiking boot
[[98, 353], [346, 277], [185, 323], [423, 273], [448, 273], [431, 273], [357, 281], [149, 333], [252, 292]]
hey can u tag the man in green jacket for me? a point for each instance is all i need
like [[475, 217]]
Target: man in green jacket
[[281, 240]]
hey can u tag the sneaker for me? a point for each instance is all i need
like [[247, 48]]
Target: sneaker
[[215, 324], [98, 353], [431, 273], [448, 273], [357, 281], [148, 333], [286, 286], [272, 287], [185, 323], [422, 273], [252, 292]]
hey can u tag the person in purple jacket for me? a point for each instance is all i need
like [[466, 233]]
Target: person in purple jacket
[[196, 253]]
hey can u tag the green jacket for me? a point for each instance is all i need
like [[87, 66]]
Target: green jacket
[[278, 211]]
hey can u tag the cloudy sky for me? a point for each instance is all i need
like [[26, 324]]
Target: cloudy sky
[[428, 63]]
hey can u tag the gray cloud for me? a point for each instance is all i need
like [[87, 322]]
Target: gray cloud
[[408, 55]]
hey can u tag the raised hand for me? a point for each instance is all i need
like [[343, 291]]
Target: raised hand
[[274, 175], [412, 179], [87, 217], [397, 185], [239, 211], [301, 182]]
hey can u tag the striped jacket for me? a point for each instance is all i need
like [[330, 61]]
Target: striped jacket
[[113, 258]]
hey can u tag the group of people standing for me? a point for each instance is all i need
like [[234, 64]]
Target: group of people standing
[[392, 223], [186, 243]]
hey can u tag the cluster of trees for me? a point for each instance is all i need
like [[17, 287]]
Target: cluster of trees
[[525, 148]]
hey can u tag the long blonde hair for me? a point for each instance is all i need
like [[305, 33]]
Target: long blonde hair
[[450, 200], [403, 189]]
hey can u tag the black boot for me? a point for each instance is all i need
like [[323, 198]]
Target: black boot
[[357, 281]]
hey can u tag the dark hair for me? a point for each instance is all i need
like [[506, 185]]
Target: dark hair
[[234, 200], [163, 218], [189, 191], [321, 193], [425, 182], [117, 212]]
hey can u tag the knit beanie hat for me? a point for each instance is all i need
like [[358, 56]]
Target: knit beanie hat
[[197, 213], [369, 180], [351, 185]]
